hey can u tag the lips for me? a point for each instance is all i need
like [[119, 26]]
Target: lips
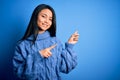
[[44, 25]]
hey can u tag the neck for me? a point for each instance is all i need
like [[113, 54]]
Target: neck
[[40, 32]]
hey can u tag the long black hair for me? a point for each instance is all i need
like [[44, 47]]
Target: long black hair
[[33, 27]]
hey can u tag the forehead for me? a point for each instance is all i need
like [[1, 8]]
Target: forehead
[[46, 11]]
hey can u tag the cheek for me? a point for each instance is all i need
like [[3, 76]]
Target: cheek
[[50, 23], [39, 21]]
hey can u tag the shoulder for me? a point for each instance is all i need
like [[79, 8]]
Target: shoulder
[[19, 45], [22, 43]]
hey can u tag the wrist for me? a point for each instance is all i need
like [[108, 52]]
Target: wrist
[[69, 45]]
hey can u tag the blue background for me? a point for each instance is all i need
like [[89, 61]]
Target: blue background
[[98, 23]]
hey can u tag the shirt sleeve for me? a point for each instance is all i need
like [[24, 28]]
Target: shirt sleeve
[[68, 58], [24, 63]]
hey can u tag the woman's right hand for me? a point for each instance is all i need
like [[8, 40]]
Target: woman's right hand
[[46, 52]]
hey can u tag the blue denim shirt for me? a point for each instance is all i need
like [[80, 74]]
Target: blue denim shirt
[[30, 65]]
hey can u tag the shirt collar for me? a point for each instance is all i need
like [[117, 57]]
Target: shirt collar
[[43, 35]]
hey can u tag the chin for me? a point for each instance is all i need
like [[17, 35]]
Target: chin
[[44, 28]]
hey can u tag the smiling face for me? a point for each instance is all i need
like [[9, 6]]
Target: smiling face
[[44, 20]]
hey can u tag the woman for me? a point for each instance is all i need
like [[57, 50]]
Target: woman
[[39, 55]]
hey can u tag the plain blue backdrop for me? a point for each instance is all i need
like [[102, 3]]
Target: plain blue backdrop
[[97, 21]]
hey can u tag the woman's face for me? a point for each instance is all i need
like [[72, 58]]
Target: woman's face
[[44, 20]]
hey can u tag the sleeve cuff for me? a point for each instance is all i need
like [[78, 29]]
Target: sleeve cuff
[[68, 45]]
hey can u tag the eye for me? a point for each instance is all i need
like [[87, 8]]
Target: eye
[[43, 16], [50, 19]]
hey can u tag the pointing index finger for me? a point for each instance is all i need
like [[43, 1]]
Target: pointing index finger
[[53, 46], [76, 32]]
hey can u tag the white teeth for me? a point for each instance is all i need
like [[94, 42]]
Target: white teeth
[[45, 24]]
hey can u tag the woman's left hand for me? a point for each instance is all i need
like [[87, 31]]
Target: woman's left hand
[[74, 38]]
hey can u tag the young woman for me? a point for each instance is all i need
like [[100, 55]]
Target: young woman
[[39, 55]]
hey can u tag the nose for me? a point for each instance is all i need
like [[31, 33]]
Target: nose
[[47, 20]]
